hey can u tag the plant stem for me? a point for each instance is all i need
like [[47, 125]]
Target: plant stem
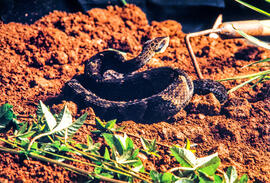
[[78, 170], [90, 164], [247, 76], [243, 84], [124, 2], [11, 143], [119, 167], [122, 171], [253, 7]]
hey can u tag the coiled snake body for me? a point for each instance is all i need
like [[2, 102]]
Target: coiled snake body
[[113, 86]]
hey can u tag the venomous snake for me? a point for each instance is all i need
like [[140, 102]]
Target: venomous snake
[[114, 88]]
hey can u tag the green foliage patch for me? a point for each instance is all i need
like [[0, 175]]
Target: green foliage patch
[[50, 138]]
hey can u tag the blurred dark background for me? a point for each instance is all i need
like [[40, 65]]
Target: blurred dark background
[[194, 15]]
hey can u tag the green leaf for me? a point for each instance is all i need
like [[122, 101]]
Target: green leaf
[[166, 177], [107, 154], [7, 117], [96, 131], [243, 84], [138, 166], [253, 39], [109, 175], [100, 125], [149, 147], [34, 146], [65, 125], [209, 164], [81, 146], [119, 143], [98, 170], [24, 142], [64, 148], [91, 146], [6, 113], [89, 140], [44, 111], [128, 142], [185, 157], [65, 121], [155, 176], [244, 179], [123, 150], [232, 174], [73, 127], [135, 153], [254, 63], [110, 124], [162, 178], [217, 179], [203, 178], [109, 138], [23, 128]]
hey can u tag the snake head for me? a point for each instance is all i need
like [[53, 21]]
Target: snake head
[[158, 45]]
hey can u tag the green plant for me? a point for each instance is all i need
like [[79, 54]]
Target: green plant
[[201, 169], [60, 125], [90, 146], [106, 127], [259, 77], [150, 147], [231, 176], [7, 117], [49, 137], [48, 140], [163, 177], [123, 151]]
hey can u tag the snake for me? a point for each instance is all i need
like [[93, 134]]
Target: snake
[[115, 87]]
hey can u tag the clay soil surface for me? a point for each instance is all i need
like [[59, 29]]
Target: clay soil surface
[[36, 60]]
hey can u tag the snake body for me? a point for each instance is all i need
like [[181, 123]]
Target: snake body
[[114, 88]]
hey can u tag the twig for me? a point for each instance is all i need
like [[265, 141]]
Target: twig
[[129, 171], [191, 52], [70, 167]]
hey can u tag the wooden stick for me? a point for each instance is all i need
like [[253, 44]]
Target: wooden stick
[[191, 52]]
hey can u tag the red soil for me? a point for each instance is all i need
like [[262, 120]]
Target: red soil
[[37, 60]]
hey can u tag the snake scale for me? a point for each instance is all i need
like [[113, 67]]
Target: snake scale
[[113, 86]]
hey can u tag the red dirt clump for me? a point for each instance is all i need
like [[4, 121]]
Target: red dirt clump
[[37, 60]]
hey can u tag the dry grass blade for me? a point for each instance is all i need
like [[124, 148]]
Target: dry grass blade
[[253, 7]]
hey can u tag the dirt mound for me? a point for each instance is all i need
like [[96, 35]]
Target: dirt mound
[[37, 60]]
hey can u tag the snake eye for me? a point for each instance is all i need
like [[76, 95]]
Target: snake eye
[[161, 47]]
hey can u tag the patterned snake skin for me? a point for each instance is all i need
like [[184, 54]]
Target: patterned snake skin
[[115, 89]]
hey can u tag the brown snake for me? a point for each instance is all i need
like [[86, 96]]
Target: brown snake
[[115, 89]]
